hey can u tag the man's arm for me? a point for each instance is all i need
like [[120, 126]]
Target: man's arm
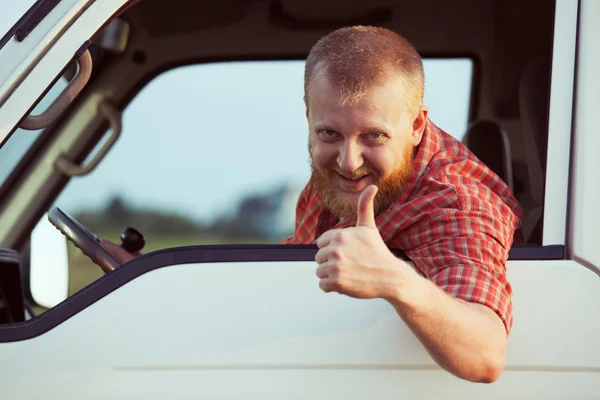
[[466, 339]]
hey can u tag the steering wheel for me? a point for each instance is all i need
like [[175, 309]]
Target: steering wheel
[[89, 244]]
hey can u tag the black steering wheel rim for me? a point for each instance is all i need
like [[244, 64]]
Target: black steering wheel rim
[[82, 238]]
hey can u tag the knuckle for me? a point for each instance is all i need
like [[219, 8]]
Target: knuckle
[[339, 236], [336, 253], [335, 269], [336, 285]]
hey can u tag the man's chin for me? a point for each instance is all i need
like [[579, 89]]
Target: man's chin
[[344, 204], [347, 197]]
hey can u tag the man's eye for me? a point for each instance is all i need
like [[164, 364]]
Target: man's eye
[[376, 137], [328, 133]]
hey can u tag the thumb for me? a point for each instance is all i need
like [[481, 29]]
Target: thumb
[[365, 213]]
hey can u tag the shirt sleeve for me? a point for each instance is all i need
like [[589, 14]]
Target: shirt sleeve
[[465, 255]]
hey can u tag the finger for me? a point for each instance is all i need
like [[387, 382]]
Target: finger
[[325, 238], [365, 214], [327, 285], [322, 255], [323, 271]]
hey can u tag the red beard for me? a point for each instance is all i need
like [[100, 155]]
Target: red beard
[[389, 187]]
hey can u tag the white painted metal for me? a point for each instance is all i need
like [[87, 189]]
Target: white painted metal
[[48, 264], [265, 331], [19, 59], [559, 124], [585, 209], [17, 56]]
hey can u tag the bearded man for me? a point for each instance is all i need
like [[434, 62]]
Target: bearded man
[[385, 177]]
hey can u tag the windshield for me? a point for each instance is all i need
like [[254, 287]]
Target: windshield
[[21, 140], [11, 12]]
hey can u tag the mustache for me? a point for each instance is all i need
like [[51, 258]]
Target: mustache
[[334, 167]]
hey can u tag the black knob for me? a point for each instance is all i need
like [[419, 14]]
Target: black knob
[[132, 240]]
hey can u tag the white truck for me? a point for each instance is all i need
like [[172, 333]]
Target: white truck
[[248, 320]]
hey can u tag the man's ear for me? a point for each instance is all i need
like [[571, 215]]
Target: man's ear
[[419, 124], [306, 105]]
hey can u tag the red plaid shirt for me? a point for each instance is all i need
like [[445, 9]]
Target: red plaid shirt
[[455, 220]]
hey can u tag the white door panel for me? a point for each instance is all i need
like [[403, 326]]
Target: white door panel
[[585, 213], [359, 384], [265, 330], [559, 123]]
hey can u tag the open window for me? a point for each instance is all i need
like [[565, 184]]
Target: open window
[[224, 160]]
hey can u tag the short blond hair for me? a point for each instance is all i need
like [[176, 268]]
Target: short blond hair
[[359, 58]]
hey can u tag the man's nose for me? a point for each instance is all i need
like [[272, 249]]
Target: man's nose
[[350, 157]]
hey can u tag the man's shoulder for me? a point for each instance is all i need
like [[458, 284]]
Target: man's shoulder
[[453, 195], [448, 153], [455, 173]]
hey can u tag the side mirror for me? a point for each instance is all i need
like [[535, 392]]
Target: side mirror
[[48, 265]]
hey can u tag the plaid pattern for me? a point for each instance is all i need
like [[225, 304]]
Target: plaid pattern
[[455, 220]]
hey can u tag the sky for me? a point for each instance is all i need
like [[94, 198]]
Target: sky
[[11, 11], [198, 138]]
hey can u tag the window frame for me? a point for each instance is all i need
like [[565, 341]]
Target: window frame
[[32, 11], [517, 252]]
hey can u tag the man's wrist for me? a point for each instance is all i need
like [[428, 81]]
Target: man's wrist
[[409, 289]]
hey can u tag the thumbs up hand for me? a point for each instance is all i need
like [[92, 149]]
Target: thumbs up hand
[[356, 262]]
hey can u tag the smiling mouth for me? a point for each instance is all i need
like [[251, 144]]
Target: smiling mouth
[[352, 183], [356, 179]]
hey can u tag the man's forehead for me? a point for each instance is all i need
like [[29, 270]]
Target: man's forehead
[[348, 92]]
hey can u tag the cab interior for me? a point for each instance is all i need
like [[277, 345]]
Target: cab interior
[[509, 42]]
